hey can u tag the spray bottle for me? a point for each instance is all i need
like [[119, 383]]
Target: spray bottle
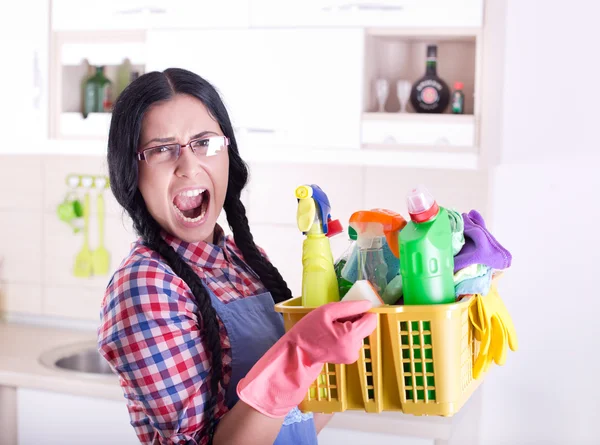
[[374, 228], [319, 282]]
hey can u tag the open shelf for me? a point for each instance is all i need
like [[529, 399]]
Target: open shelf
[[395, 57], [397, 54], [77, 55]]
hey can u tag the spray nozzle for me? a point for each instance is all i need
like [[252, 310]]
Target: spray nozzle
[[374, 224], [314, 208]]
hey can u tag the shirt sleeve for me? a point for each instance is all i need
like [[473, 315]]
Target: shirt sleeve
[[150, 336]]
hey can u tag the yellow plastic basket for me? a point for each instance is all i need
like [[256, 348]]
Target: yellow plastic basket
[[419, 361]]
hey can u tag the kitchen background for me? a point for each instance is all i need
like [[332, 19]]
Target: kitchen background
[[299, 79]]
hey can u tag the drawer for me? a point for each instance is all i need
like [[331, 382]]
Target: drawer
[[367, 13], [419, 129], [81, 15]]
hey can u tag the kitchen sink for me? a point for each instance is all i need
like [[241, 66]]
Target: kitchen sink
[[79, 358]]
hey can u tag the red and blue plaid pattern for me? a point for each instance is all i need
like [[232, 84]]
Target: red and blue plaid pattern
[[150, 335]]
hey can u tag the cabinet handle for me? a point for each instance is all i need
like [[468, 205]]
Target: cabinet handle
[[364, 7], [37, 81], [254, 130], [260, 130], [143, 10]]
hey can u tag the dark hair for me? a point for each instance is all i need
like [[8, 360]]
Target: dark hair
[[123, 140]]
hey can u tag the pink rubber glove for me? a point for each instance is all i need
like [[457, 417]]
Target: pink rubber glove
[[280, 379]]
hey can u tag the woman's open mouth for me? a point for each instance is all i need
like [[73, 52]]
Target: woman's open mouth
[[191, 205]]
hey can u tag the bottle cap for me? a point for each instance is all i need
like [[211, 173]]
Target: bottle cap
[[431, 50], [421, 205], [459, 85], [334, 227]]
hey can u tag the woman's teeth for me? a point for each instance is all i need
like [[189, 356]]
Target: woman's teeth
[[192, 193]]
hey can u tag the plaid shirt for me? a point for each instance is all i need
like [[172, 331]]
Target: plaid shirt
[[149, 334]]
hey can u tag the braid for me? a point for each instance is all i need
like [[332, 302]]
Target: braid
[[269, 275], [208, 315]]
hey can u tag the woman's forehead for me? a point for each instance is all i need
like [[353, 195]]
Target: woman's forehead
[[179, 118]]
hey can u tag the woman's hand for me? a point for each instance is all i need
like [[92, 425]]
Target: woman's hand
[[332, 333]]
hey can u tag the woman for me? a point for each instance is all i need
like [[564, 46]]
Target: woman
[[187, 320]]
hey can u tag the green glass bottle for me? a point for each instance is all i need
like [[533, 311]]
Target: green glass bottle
[[97, 93]]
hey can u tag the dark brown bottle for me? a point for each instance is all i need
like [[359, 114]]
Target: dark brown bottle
[[430, 94]]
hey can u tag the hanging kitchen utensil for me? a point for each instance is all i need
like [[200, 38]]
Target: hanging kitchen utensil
[[83, 260], [100, 256], [70, 210]]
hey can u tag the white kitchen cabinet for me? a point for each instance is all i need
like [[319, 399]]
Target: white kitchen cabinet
[[62, 419], [24, 75], [87, 15], [284, 88], [367, 13], [413, 129]]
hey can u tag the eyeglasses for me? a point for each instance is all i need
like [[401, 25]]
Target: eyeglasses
[[205, 147]]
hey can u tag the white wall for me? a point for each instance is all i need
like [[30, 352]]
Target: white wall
[[544, 199]]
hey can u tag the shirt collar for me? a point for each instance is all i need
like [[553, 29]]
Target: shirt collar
[[202, 254]]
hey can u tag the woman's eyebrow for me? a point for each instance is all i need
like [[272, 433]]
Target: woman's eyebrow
[[203, 133], [172, 139]]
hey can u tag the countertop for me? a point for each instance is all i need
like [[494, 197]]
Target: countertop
[[22, 345]]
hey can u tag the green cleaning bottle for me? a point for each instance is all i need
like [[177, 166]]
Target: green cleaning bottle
[[426, 259], [427, 269]]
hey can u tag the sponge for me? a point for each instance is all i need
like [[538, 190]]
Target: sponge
[[363, 290]]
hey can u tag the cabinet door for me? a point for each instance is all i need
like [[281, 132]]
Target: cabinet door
[[70, 15], [51, 418], [307, 85], [217, 55], [297, 88], [371, 13], [24, 75]]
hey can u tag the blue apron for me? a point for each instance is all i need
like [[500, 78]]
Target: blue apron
[[253, 327]]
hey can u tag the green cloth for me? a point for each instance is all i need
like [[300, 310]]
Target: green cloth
[[470, 272], [457, 225]]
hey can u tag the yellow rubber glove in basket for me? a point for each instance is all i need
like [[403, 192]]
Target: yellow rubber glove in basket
[[493, 328]]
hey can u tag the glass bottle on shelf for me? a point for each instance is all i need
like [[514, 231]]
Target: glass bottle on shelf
[[105, 88], [97, 93], [430, 94], [458, 98]]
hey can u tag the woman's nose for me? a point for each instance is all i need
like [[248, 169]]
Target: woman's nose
[[188, 164]]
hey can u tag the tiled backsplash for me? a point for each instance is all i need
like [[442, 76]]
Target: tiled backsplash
[[38, 249]]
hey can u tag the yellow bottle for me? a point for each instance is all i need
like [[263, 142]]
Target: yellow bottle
[[319, 282]]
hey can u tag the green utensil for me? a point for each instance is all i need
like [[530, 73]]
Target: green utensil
[[101, 257], [83, 260]]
